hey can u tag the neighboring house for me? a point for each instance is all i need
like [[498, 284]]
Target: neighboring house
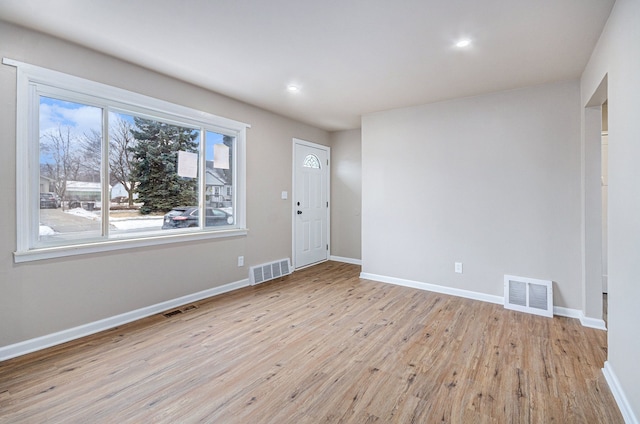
[[46, 184], [83, 191], [118, 190], [218, 190]]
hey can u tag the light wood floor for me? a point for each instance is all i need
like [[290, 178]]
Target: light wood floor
[[320, 346]]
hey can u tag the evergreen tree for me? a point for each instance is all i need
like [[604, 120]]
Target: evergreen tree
[[155, 165]]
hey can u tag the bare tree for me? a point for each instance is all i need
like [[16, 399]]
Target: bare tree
[[121, 157], [91, 156], [61, 150]]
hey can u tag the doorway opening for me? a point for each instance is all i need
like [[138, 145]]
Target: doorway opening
[[595, 227]]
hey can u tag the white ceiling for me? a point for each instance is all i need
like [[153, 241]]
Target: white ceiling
[[349, 57]]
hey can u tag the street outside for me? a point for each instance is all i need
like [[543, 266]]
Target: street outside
[[56, 221]]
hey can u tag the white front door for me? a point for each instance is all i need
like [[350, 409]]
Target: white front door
[[311, 203]]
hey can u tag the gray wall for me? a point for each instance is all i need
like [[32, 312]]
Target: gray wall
[[346, 194], [43, 297], [617, 58], [491, 181]]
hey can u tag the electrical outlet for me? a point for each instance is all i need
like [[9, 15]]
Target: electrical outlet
[[458, 267], [240, 260]]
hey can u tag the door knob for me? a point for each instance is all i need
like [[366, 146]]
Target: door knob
[[299, 212]]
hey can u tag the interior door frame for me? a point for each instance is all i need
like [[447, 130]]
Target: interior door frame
[[327, 149], [592, 224]]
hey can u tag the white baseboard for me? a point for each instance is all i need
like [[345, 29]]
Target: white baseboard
[[434, 288], [345, 260], [557, 310], [596, 323], [618, 394], [568, 312], [43, 342]]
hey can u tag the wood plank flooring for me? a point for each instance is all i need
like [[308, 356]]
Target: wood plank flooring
[[320, 346]]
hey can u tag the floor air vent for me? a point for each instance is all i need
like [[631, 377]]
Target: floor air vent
[[181, 310], [265, 272], [528, 295]]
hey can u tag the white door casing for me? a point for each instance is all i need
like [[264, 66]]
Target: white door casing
[[605, 199], [310, 203]]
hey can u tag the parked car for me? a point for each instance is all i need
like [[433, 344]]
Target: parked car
[[187, 216], [49, 200]]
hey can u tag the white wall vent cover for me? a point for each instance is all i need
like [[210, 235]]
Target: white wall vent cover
[[265, 272], [528, 295]]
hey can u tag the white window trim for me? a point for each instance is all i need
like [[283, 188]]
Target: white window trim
[[27, 76]]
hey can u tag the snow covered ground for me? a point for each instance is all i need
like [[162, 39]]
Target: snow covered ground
[[46, 231], [120, 223], [136, 223], [125, 222], [84, 213]]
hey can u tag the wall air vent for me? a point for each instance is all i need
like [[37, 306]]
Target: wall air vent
[[265, 272], [528, 295]]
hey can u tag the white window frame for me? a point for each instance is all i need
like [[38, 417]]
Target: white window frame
[[30, 79]]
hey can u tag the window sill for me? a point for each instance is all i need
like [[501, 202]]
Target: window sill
[[113, 245]]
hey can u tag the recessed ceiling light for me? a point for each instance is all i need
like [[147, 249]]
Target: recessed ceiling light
[[463, 43], [291, 88]]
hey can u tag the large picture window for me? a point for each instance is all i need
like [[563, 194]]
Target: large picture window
[[103, 168]]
